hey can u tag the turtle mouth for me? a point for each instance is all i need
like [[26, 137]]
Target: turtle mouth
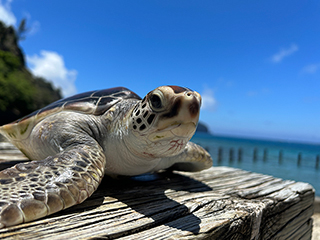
[[176, 125], [183, 129], [174, 130]]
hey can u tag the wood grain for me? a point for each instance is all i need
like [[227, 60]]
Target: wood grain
[[219, 203]]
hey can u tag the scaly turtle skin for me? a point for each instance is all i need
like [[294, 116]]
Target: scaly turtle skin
[[75, 141]]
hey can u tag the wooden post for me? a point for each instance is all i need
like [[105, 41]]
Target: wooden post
[[317, 161], [299, 159], [280, 156], [218, 203], [255, 154], [265, 154], [231, 154], [219, 155], [240, 155]]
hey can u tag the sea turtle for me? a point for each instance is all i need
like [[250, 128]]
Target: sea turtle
[[76, 140]]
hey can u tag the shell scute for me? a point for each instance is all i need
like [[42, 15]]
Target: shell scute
[[85, 105], [110, 101], [92, 102], [111, 92], [75, 97]]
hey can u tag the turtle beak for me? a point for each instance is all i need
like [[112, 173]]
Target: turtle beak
[[182, 114], [193, 102], [189, 114], [190, 107]]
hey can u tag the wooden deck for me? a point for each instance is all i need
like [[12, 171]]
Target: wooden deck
[[219, 203]]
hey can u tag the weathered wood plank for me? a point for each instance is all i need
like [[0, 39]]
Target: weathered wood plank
[[219, 203]]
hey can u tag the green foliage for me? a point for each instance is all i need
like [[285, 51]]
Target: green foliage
[[8, 62], [16, 92], [45, 93], [20, 92], [16, 89]]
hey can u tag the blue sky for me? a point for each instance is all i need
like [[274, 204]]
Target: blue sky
[[256, 63]]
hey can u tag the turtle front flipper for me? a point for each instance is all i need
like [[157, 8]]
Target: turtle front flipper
[[194, 158], [29, 191]]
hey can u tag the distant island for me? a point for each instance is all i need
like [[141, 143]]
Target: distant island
[[202, 128]]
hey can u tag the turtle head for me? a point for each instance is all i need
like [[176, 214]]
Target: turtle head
[[165, 120]]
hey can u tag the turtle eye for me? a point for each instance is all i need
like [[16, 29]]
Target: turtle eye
[[156, 101]]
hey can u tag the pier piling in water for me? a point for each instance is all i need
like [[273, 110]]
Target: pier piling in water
[[220, 155], [231, 155], [299, 158], [255, 154], [239, 154], [265, 154], [280, 157]]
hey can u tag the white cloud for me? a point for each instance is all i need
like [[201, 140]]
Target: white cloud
[[51, 66], [312, 68], [208, 100], [284, 52], [6, 14]]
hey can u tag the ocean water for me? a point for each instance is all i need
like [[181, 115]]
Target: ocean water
[[286, 160]]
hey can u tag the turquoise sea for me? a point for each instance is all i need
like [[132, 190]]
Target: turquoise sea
[[286, 160]]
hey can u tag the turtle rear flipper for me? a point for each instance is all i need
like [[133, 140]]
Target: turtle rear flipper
[[29, 191]]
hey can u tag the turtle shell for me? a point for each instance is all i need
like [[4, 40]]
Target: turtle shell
[[93, 102]]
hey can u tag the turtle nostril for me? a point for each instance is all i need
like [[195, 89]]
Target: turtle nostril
[[189, 94], [194, 108]]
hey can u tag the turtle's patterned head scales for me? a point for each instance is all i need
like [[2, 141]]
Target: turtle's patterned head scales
[[167, 116]]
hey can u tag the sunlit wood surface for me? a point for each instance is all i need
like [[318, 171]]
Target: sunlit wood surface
[[219, 203]]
